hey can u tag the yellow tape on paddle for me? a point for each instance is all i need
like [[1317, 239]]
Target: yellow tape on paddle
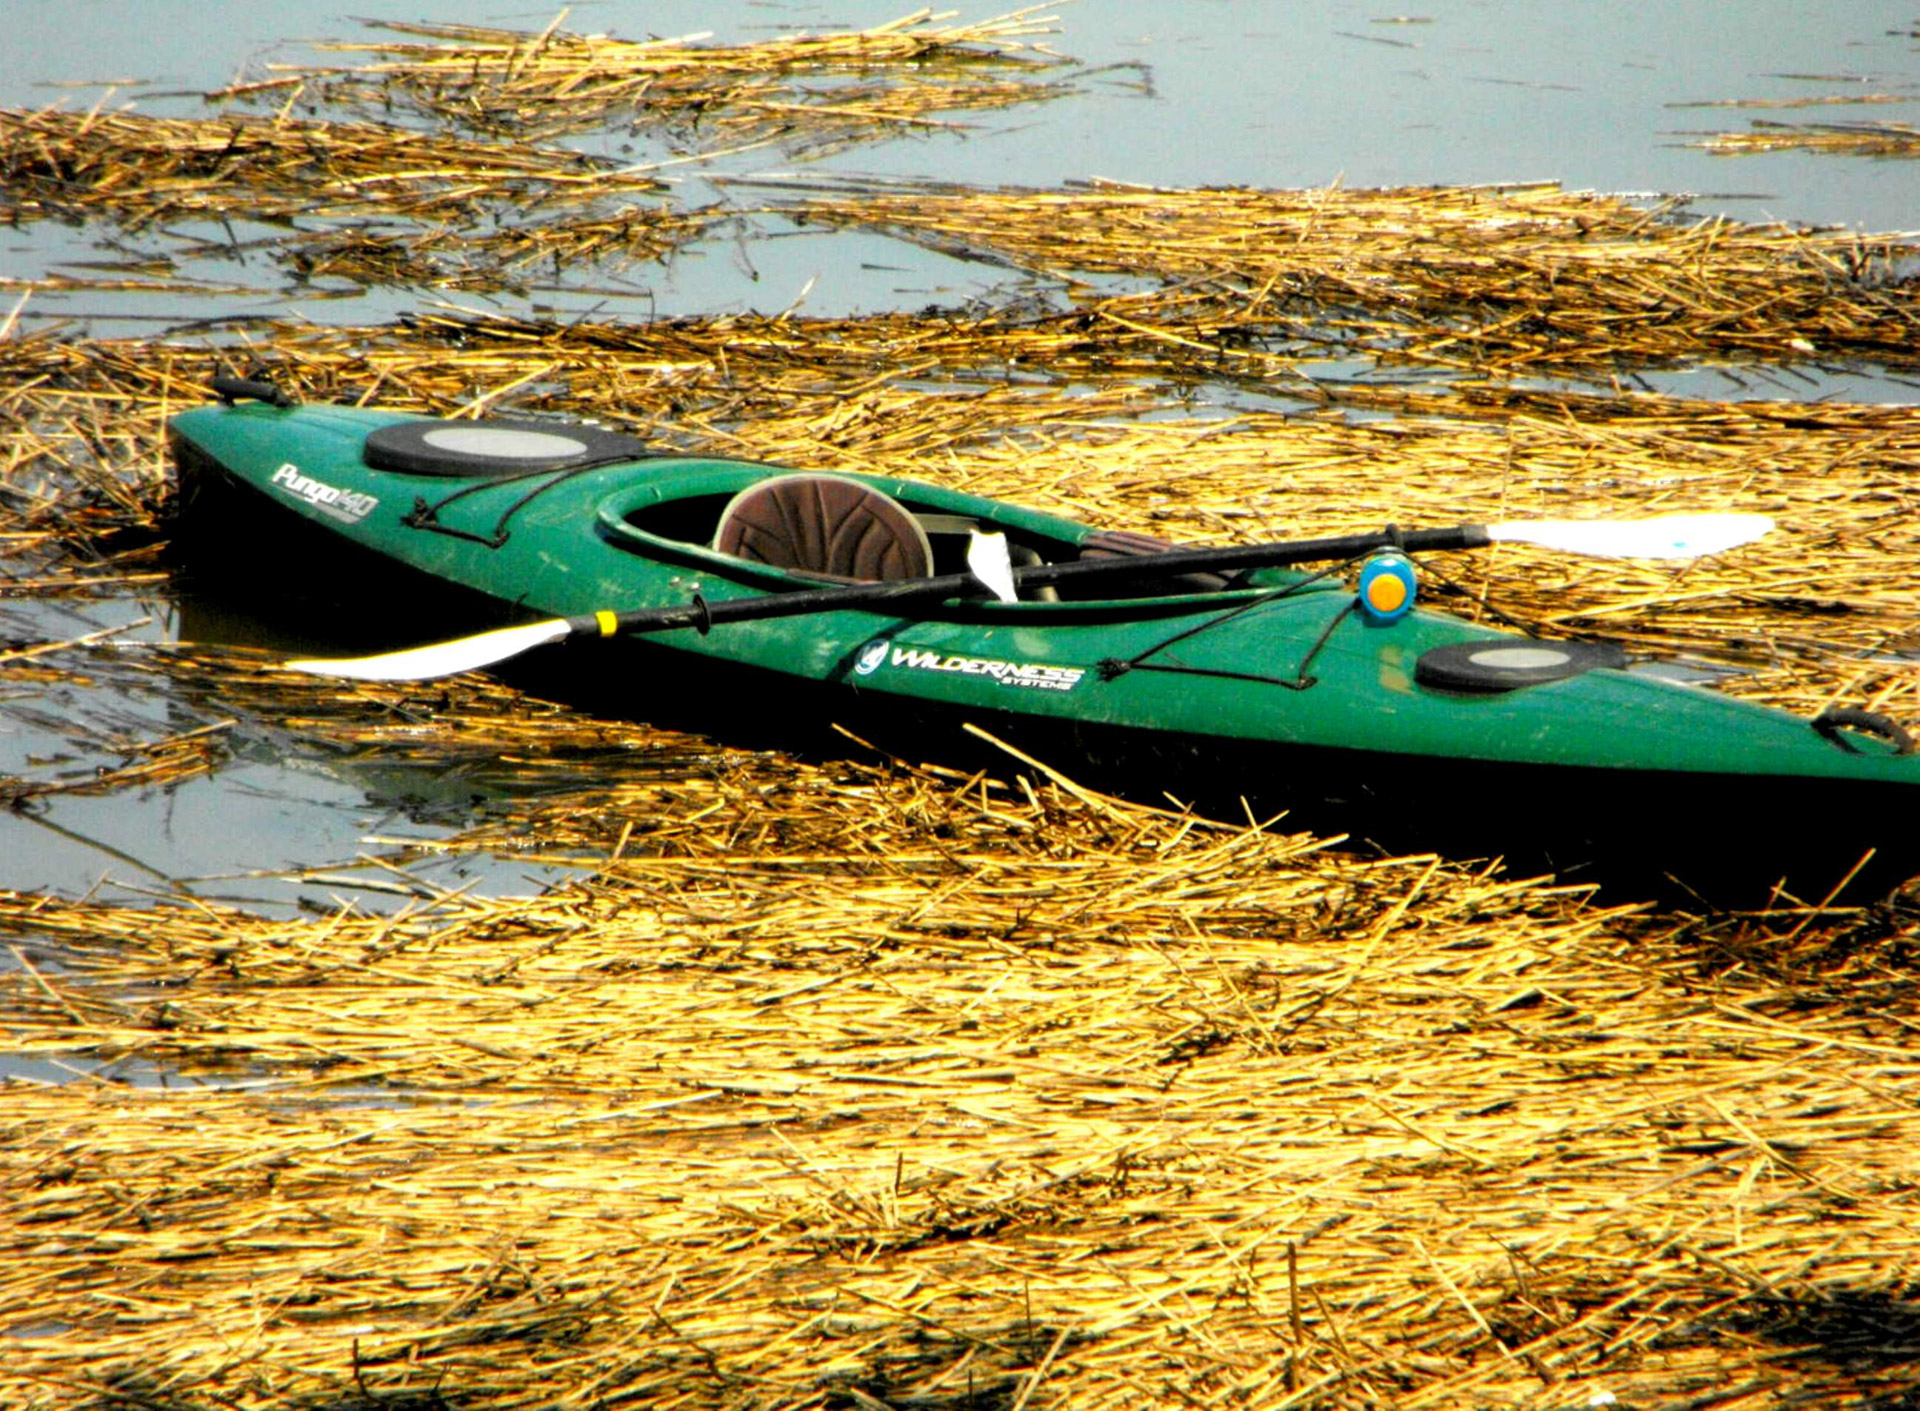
[[609, 624]]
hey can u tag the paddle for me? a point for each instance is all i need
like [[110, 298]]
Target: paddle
[[1668, 537]]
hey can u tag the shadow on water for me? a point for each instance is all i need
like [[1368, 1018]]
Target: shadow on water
[[1870, 1337], [925, 1378], [137, 1392], [1847, 1329], [975, 1393]]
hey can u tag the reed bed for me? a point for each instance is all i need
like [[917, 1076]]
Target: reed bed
[[899, 1090], [1819, 100], [367, 202], [859, 1083], [1498, 282], [810, 93], [1846, 139], [68, 164]]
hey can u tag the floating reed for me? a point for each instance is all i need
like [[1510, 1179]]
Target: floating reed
[[144, 764], [154, 170], [1492, 282], [127, 284], [1825, 100], [859, 1085], [1496, 282], [471, 213], [1846, 139], [808, 92], [881, 1088]]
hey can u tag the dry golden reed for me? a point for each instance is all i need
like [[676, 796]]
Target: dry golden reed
[[807, 92], [363, 202], [866, 1084], [1847, 139], [1492, 282], [845, 1083]]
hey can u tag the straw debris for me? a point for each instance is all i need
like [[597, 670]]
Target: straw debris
[[472, 214], [64, 165], [1824, 100], [868, 1113], [810, 93], [852, 1083], [1846, 139], [1497, 282]]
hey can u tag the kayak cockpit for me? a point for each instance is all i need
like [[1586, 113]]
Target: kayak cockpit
[[838, 528]]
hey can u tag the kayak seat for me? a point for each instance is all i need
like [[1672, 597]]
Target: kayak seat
[[824, 526], [1125, 543]]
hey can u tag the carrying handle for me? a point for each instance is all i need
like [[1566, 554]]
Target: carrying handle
[[1832, 721], [232, 389]]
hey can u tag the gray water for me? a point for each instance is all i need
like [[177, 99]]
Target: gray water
[[1224, 92]]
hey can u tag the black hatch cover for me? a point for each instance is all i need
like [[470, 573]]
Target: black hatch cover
[[1508, 665]]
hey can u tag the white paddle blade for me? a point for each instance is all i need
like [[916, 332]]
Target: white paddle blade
[[1672, 536], [989, 561], [441, 658]]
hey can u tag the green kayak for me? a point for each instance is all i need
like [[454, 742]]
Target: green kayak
[[1225, 678]]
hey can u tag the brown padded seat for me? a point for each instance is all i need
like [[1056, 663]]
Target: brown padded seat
[[827, 527]]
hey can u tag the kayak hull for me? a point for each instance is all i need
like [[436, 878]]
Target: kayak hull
[[1272, 698]]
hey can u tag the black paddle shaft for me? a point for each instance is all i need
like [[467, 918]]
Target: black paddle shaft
[[702, 614]]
